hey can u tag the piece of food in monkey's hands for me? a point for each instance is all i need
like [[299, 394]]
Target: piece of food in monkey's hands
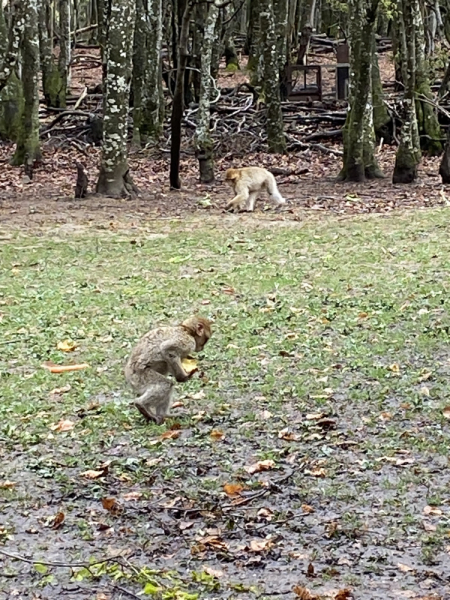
[[161, 352], [63, 368], [189, 364]]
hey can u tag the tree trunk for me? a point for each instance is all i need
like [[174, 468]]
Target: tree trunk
[[178, 100], [114, 179], [28, 146], [382, 121], [408, 153], [427, 121], [359, 138], [253, 36], [276, 140], [11, 95], [64, 51], [11, 43], [444, 169], [50, 76], [203, 142]]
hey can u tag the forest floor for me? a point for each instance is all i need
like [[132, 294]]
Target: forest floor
[[307, 460]]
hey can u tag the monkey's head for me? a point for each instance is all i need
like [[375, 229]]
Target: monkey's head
[[200, 329], [232, 175]]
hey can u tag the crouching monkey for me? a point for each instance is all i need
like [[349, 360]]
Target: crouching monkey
[[160, 353], [248, 183]]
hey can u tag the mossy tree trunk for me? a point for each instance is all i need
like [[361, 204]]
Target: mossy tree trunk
[[252, 43], [427, 120], [276, 140], [178, 98], [10, 40], [203, 142], [64, 52], [114, 179], [28, 149], [408, 153], [51, 83], [382, 122], [359, 137]]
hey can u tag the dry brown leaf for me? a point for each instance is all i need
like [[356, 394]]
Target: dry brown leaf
[[446, 412], [151, 462], [288, 435], [303, 593], [233, 489], [395, 368], [432, 510], [307, 508], [132, 496], [310, 572], [7, 485], [170, 435], [61, 390], [316, 472], [63, 368], [363, 315], [344, 594], [58, 520], [404, 568], [265, 513], [91, 474], [217, 435], [213, 572], [63, 425], [262, 465], [109, 503], [260, 545], [66, 346], [314, 416]]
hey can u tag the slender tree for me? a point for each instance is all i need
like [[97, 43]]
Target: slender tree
[[408, 153], [276, 140], [359, 137], [28, 146], [10, 40], [114, 178], [64, 51], [203, 141]]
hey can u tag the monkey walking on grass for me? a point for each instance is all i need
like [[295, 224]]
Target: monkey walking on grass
[[160, 352], [248, 183]]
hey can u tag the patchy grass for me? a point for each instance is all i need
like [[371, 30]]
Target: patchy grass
[[329, 357]]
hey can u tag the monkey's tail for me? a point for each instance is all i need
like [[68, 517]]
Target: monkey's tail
[[273, 191]]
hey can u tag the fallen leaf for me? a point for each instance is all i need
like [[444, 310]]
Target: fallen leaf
[[310, 572], [58, 520], [446, 412], [425, 391], [217, 435], [61, 390], [344, 594], [91, 474], [288, 435], [432, 510], [132, 496], [307, 508], [185, 525], [170, 435], [395, 368], [109, 503], [303, 593], [151, 462], [213, 572], [66, 346], [63, 368], [7, 485], [260, 545], [265, 513], [316, 472], [233, 489], [63, 425], [314, 416], [262, 465], [404, 568]]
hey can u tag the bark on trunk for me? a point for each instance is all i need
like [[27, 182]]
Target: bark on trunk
[[28, 149], [64, 51], [203, 142], [11, 96], [276, 140], [382, 121], [359, 138], [408, 153], [444, 169], [114, 178], [178, 100], [11, 42]]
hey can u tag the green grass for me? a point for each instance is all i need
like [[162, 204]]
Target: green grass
[[347, 318]]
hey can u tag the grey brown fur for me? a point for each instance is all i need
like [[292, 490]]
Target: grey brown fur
[[159, 353]]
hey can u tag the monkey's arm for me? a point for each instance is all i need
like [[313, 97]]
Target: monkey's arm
[[171, 353]]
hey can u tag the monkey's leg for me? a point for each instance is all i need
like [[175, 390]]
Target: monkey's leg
[[273, 191], [241, 191], [154, 403], [250, 206]]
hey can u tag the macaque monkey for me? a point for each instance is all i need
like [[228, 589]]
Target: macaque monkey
[[248, 183], [82, 181], [160, 353]]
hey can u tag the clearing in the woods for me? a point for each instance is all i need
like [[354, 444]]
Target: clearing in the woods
[[309, 459]]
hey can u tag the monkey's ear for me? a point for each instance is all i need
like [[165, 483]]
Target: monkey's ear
[[200, 329]]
